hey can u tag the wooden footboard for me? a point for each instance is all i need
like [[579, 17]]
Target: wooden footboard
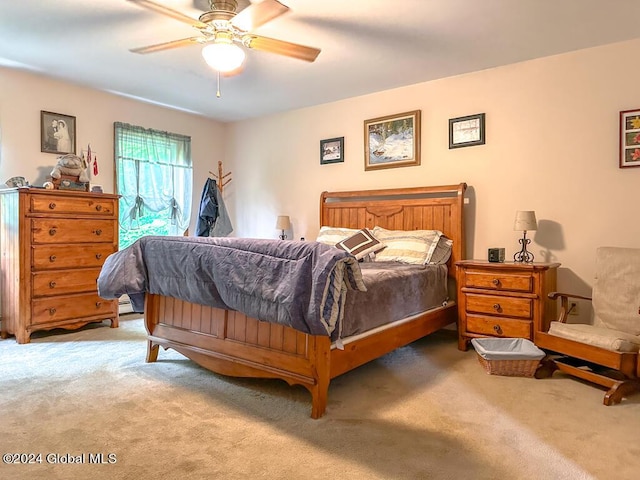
[[230, 343]]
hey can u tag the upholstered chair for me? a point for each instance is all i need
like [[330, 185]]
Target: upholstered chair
[[606, 351]]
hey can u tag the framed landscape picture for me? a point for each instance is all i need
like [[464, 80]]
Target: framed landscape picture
[[392, 141], [57, 133], [332, 150], [630, 138]]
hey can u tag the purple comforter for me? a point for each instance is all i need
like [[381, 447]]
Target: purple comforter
[[298, 284]]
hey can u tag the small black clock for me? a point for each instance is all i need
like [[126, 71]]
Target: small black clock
[[496, 255]]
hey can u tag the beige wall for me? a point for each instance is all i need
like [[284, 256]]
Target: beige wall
[[551, 146], [23, 95]]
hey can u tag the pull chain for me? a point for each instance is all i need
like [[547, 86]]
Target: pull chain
[[218, 92]]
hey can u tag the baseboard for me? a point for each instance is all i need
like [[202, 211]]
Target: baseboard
[[124, 305]]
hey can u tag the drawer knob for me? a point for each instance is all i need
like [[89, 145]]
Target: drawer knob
[[52, 311], [496, 282], [52, 284], [497, 329], [98, 304], [496, 306], [98, 256], [52, 231], [98, 232], [52, 258], [52, 206], [99, 208]]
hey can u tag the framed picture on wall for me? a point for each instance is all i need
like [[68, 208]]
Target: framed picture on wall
[[57, 133], [630, 138], [466, 131], [332, 150], [392, 141]]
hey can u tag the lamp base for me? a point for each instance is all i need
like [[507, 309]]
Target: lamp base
[[524, 256]]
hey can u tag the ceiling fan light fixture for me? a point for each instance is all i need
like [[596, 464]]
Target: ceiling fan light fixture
[[223, 56]]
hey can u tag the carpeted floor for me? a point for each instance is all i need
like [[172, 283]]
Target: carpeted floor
[[426, 411]]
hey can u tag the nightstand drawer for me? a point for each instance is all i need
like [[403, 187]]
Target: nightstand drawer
[[499, 327], [497, 305], [499, 281]]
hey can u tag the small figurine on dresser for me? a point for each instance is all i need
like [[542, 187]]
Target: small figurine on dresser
[[69, 173]]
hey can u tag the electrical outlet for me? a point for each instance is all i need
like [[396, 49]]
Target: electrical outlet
[[574, 308]]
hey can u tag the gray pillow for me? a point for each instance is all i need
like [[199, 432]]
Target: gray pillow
[[442, 253]]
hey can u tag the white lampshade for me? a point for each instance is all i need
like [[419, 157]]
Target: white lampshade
[[223, 56], [525, 220], [283, 222]]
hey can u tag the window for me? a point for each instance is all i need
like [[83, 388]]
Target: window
[[154, 177]]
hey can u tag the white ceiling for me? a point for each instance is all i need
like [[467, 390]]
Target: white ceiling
[[367, 46]]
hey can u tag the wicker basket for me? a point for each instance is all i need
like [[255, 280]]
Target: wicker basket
[[510, 368], [508, 356]]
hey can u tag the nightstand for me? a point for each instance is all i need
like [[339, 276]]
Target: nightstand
[[504, 299]]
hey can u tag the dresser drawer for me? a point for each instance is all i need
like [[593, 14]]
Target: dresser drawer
[[46, 283], [497, 305], [77, 206], [66, 230], [499, 327], [46, 257], [499, 281], [55, 309]]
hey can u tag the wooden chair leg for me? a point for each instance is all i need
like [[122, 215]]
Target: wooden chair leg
[[545, 369], [620, 390]]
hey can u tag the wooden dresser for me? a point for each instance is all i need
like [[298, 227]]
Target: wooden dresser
[[54, 243], [504, 299]]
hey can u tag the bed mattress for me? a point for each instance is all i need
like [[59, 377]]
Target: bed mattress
[[394, 291]]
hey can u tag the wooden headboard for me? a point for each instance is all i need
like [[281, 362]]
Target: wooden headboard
[[419, 208]]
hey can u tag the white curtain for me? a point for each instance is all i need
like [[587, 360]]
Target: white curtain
[[154, 173]]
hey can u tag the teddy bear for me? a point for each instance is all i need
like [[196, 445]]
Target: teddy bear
[[70, 165]]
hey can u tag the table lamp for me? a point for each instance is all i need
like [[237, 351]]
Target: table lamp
[[283, 223], [525, 221]]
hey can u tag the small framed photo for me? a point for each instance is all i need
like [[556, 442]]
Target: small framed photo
[[392, 141], [332, 150], [57, 133], [630, 138], [466, 131]]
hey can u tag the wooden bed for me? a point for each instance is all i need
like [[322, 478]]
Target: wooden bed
[[230, 343]]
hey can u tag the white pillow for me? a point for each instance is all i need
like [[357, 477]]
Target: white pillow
[[333, 235], [406, 246]]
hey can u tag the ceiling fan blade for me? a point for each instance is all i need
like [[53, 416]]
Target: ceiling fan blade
[[258, 14], [288, 49], [167, 45], [169, 12]]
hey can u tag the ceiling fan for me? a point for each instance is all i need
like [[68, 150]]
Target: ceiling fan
[[222, 27]]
